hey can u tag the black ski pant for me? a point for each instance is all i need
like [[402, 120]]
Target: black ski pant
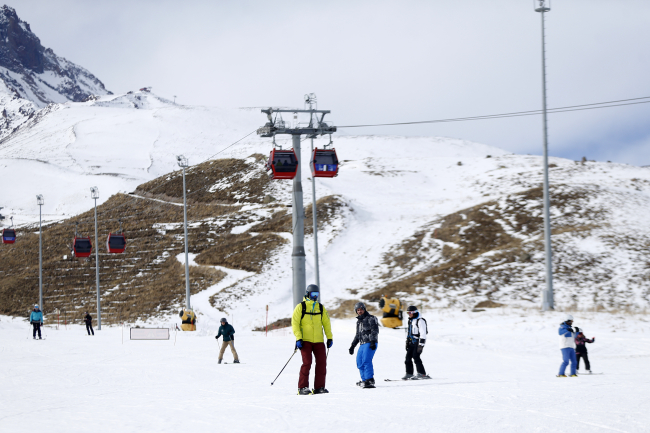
[[413, 355], [585, 357], [89, 328], [37, 328]]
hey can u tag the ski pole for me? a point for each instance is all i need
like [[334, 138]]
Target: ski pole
[[285, 366]]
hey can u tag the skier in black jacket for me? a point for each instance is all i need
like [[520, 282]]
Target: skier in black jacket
[[417, 335], [368, 336], [89, 323]]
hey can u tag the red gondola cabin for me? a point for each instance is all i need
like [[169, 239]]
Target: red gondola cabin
[[8, 236], [324, 163], [116, 243], [82, 247], [282, 164]]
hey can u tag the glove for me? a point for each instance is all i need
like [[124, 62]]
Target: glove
[[351, 350], [330, 343], [373, 345], [216, 337], [570, 330], [299, 344], [420, 349]]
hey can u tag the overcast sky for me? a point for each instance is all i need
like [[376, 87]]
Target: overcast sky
[[380, 61]]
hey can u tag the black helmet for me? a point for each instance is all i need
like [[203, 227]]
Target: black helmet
[[223, 319], [359, 305], [412, 308], [312, 292]]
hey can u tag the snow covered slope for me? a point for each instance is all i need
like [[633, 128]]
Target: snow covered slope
[[436, 221], [491, 372]]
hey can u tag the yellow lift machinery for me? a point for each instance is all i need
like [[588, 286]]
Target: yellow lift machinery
[[392, 309]]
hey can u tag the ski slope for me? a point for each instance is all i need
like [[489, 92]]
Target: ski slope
[[492, 372]]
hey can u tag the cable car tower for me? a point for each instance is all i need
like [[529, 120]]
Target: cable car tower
[[317, 126]]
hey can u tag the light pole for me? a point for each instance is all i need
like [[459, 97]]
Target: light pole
[[182, 162], [310, 99], [40, 202], [94, 193], [544, 6]]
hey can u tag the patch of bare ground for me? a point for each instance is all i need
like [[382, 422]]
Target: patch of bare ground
[[220, 181], [147, 280], [242, 251], [494, 251], [278, 324]]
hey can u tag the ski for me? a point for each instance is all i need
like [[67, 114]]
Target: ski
[[587, 374], [407, 380]]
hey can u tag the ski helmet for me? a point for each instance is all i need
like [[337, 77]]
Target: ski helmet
[[568, 317], [312, 292], [359, 305], [36, 307], [412, 308], [224, 320]]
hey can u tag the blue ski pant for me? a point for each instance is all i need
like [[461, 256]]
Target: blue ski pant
[[568, 354], [364, 361]]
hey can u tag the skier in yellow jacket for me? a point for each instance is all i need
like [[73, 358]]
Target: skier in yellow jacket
[[308, 322]]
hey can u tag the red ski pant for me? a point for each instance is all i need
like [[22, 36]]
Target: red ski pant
[[321, 364]]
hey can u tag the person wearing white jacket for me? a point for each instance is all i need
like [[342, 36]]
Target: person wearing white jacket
[[567, 346]]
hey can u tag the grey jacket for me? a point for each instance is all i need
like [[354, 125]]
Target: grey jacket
[[367, 329]]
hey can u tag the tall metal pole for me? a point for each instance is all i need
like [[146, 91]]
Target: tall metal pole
[[315, 222], [95, 195], [298, 219], [39, 200], [187, 263], [547, 295]]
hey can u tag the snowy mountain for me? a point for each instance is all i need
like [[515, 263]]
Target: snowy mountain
[[32, 76], [438, 222]]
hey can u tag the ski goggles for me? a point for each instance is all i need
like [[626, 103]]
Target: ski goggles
[[314, 294]]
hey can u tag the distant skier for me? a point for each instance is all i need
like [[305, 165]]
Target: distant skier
[[581, 349], [308, 322], [368, 335], [36, 319], [89, 323], [228, 333], [567, 346], [415, 341]]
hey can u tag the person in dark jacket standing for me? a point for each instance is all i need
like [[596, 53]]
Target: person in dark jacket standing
[[36, 319], [368, 336], [581, 349], [228, 333], [89, 323], [415, 341]]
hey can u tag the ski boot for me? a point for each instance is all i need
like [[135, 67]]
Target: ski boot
[[236, 361], [360, 383], [304, 391], [421, 376], [574, 375], [589, 371], [407, 376], [220, 361], [370, 383], [561, 375], [320, 391]]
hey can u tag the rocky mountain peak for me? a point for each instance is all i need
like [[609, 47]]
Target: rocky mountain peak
[[35, 73]]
